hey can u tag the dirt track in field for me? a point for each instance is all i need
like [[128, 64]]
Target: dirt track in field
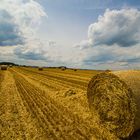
[[47, 105]]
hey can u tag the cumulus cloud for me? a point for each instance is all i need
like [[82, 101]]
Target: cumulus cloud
[[119, 27], [26, 16], [113, 40], [18, 21]]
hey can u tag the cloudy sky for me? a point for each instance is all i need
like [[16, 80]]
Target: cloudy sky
[[92, 34]]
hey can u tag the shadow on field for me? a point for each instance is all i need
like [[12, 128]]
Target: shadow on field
[[135, 136]]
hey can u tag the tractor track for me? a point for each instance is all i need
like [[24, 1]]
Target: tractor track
[[56, 121], [65, 81], [1, 78]]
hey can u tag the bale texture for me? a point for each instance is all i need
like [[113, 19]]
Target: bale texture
[[113, 101], [132, 78]]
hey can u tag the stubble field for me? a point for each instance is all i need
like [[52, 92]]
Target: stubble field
[[47, 105]]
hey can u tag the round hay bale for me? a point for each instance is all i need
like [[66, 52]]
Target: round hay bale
[[63, 69], [107, 70], [40, 69], [10, 66], [4, 67], [113, 101]]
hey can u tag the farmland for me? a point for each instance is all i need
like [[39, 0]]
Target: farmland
[[47, 105], [50, 104]]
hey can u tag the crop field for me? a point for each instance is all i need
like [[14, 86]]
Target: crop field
[[47, 105]]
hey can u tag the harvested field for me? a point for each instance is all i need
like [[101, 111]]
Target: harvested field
[[48, 105], [1, 78]]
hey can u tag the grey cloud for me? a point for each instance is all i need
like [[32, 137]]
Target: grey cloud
[[106, 55], [9, 33], [30, 55], [32, 50], [132, 60], [99, 55], [120, 39]]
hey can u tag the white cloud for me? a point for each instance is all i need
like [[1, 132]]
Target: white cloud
[[114, 40], [26, 13], [20, 20], [24, 18], [119, 27], [51, 53]]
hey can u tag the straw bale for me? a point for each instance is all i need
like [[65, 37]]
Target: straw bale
[[40, 69], [113, 100], [4, 67]]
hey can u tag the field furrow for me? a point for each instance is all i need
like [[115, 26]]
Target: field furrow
[[47, 105], [1, 78], [57, 80], [15, 121], [59, 123], [66, 74], [49, 83]]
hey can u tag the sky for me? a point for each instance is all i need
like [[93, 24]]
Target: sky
[[88, 34]]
